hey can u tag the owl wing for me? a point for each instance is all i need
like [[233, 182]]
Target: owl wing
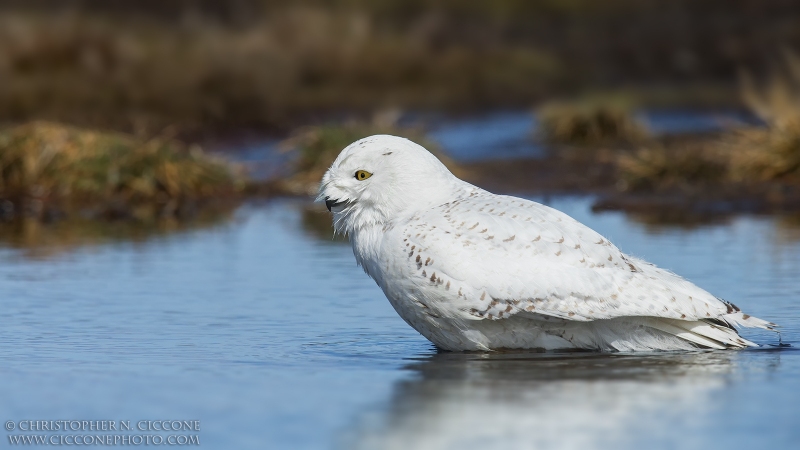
[[490, 257]]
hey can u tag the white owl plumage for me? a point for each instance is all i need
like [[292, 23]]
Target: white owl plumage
[[471, 270]]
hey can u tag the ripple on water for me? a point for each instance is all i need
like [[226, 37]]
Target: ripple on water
[[266, 330]]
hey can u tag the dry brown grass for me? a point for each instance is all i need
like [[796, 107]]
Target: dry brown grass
[[589, 124], [743, 156], [51, 165], [773, 152], [764, 154], [657, 167], [776, 102]]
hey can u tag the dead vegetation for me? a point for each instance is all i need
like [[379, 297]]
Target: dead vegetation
[[589, 124], [689, 167], [47, 168], [741, 156]]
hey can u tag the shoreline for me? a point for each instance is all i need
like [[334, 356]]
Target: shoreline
[[551, 169]]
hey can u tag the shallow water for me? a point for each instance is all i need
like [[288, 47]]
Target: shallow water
[[268, 333], [497, 135], [494, 135], [513, 134]]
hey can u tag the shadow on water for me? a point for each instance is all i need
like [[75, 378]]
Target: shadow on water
[[261, 325], [657, 221], [664, 222], [786, 226], [545, 400], [38, 239]]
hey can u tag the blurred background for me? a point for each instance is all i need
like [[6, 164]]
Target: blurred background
[[275, 64], [597, 94], [160, 254]]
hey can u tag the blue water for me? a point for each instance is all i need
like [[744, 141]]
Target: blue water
[[268, 334], [512, 134], [494, 135], [663, 122], [497, 135]]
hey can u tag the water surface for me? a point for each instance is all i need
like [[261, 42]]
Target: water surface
[[511, 134], [264, 329]]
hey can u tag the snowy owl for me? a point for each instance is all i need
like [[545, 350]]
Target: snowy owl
[[471, 270]]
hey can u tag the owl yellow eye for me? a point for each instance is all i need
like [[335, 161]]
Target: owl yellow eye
[[362, 175]]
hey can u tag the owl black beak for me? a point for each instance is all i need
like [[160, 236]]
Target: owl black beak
[[332, 203]]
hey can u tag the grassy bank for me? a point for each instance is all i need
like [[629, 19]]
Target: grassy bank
[[598, 147], [48, 170]]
